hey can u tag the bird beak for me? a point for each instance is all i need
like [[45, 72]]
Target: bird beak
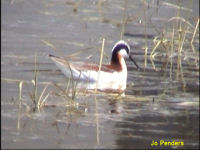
[[131, 58]]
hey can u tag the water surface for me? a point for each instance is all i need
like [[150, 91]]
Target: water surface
[[156, 107]]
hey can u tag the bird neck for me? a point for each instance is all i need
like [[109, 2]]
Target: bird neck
[[118, 61]]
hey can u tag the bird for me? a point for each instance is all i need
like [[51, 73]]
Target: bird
[[112, 77]]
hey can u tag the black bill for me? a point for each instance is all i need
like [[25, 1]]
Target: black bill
[[131, 58]]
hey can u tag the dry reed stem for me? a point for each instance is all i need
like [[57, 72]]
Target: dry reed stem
[[172, 50], [44, 99], [145, 33], [48, 44], [35, 83], [96, 102], [176, 6], [181, 19], [123, 20], [179, 63], [152, 53], [20, 104], [197, 24], [40, 100]]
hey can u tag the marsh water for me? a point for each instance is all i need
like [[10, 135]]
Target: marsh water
[[160, 102]]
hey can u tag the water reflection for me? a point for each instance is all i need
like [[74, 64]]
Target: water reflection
[[160, 122]]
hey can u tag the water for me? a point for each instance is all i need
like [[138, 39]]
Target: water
[[155, 107]]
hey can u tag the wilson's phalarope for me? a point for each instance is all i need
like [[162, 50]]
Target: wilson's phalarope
[[113, 76]]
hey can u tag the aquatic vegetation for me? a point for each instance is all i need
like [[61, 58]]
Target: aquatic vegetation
[[40, 104], [174, 42], [38, 101]]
